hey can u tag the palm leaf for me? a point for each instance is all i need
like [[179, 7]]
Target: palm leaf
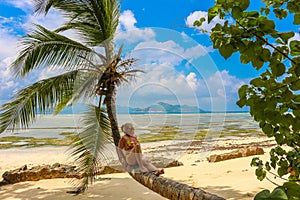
[[47, 48], [94, 20], [85, 86], [41, 97], [83, 90], [89, 146]]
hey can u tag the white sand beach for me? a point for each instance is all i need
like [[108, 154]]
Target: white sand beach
[[231, 179]]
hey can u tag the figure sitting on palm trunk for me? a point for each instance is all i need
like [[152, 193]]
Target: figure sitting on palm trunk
[[131, 152]]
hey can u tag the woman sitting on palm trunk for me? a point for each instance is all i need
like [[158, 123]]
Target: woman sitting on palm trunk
[[131, 152]]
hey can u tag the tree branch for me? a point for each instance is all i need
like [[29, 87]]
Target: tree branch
[[266, 42]]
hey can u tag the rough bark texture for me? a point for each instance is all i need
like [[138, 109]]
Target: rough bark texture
[[110, 101], [172, 189]]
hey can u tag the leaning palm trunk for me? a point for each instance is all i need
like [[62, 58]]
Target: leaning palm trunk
[[172, 189], [110, 101]]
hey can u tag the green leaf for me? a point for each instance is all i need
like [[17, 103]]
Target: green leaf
[[282, 171], [244, 4], [255, 162], [260, 174], [286, 36], [280, 13], [253, 14], [279, 41], [243, 91], [265, 55], [257, 63], [297, 18], [278, 194], [263, 195], [257, 82], [236, 12], [197, 23], [242, 102], [278, 70], [265, 10], [244, 58], [295, 87], [293, 189], [293, 6], [268, 130], [279, 138], [295, 47], [267, 165], [221, 1], [280, 152], [212, 13], [226, 50], [297, 69], [267, 26]]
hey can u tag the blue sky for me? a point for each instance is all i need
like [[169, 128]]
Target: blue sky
[[180, 64]]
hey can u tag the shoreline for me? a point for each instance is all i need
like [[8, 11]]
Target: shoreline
[[231, 179], [166, 134]]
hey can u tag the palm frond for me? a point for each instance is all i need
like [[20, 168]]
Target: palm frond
[[40, 97], [63, 102], [84, 88], [95, 20], [47, 48], [89, 147], [43, 6]]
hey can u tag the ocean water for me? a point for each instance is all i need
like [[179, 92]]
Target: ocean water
[[50, 126]]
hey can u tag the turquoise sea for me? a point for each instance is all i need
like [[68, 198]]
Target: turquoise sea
[[50, 126]]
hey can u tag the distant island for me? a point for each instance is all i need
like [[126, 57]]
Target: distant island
[[161, 108]]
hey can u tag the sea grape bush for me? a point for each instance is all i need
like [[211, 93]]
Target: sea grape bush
[[274, 96]]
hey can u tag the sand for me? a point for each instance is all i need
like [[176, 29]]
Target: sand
[[231, 179]]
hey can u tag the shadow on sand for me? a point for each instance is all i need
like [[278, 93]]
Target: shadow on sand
[[56, 189]]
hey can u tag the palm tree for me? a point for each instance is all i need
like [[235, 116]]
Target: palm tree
[[89, 75]]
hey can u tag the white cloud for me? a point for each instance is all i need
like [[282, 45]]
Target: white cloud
[[127, 20], [197, 51], [184, 36], [129, 32], [51, 21], [8, 44], [159, 83], [25, 5], [197, 15], [8, 40], [163, 83], [224, 85], [168, 52], [7, 83], [192, 81]]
